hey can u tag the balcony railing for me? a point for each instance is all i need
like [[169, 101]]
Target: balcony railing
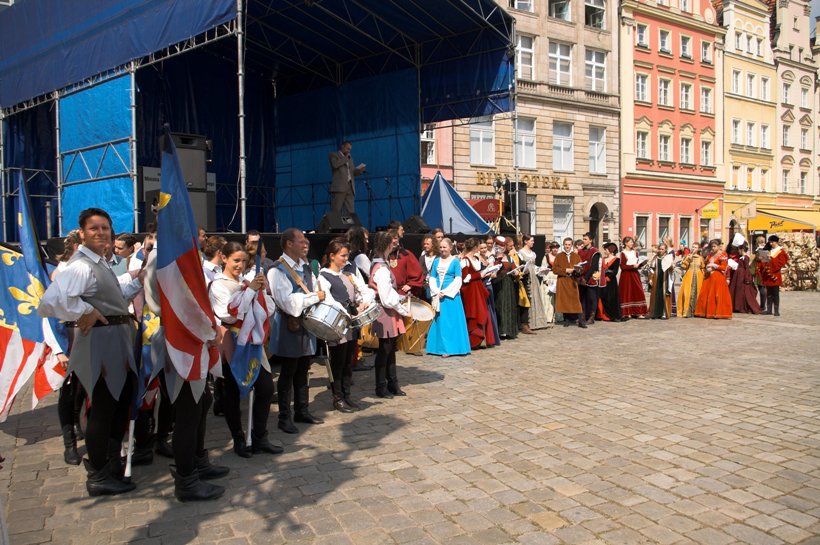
[[561, 92]]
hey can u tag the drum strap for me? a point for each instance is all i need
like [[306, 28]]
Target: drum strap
[[295, 276]]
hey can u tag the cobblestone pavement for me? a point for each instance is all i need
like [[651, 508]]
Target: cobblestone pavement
[[670, 432]]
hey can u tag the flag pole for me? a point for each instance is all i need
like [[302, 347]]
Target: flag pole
[[129, 452], [248, 439]]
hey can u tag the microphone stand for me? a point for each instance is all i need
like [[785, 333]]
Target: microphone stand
[[369, 202]]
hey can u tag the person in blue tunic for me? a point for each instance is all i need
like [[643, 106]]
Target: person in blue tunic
[[448, 333]]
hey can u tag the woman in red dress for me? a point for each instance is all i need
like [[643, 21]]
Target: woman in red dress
[[474, 297], [741, 284], [631, 295], [714, 300]]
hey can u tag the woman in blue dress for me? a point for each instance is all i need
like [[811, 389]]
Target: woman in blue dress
[[448, 333]]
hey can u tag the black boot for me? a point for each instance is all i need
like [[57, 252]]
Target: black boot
[[164, 447], [776, 299], [393, 378], [260, 443], [142, 456], [285, 415], [239, 446], [381, 380], [115, 459], [219, 395], [207, 470], [346, 394], [70, 455], [301, 412], [78, 432], [192, 488], [100, 482], [338, 398]]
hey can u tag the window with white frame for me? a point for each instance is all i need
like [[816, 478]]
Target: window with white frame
[[786, 91], [706, 52], [764, 137], [525, 147], [597, 150], [804, 138], [686, 96], [642, 88], [686, 5], [706, 153], [523, 5], [786, 132], [562, 148], [755, 182], [738, 41], [560, 63], [641, 231], [750, 178], [559, 9], [664, 153], [749, 45], [764, 179], [804, 182], [665, 92], [751, 133], [563, 217], [641, 35], [736, 81], [706, 100], [760, 47], [686, 47], [686, 150], [526, 57], [736, 131], [784, 180], [683, 231], [482, 142], [428, 145], [594, 13], [595, 74], [804, 97], [642, 144], [664, 38], [663, 227], [751, 80], [736, 179], [764, 88]]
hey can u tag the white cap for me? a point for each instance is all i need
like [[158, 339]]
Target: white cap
[[738, 240]]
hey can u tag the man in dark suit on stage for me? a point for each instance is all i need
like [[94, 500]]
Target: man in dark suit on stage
[[343, 182]]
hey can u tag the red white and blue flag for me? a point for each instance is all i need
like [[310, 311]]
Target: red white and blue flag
[[187, 316]]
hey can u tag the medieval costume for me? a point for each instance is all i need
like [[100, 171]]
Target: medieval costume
[[548, 286], [488, 284], [714, 300], [742, 287], [532, 283], [448, 332], [474, 297], [772, 275], [662, 279], [407, 270], [630, 287], [567, 301], [505, 286], [690, 286], [588, 281], [609, 304], [387, 328]]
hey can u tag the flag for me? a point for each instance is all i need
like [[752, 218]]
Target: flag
[[249, 337], [186, 311], [146, 352]]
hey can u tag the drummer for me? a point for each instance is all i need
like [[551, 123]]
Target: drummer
[[389, 325], [348, 290], [292, 285]]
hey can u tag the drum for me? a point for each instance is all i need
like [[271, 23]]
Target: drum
[[367, 316], [367, 339], [327, 321], [416, 325]]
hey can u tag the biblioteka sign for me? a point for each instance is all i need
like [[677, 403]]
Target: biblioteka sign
[[533, 181]]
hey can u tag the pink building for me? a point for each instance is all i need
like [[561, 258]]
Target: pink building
[[436, 153], [672, 144]]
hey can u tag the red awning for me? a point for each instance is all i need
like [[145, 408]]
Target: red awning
[[487, 208]]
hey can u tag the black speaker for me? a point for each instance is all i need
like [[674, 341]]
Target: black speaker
[[337, 222], [416, 224]]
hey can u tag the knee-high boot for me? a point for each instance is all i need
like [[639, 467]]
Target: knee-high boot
[[346, 389], [338, 397], [381, 376], [285, 413], [301, 400]]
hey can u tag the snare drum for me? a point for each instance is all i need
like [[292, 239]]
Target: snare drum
[[367, 316], [328, 321], [416, 325]]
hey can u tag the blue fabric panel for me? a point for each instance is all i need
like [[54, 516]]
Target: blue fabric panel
[[444, 208], [94, 118], [49, 44], [380, 117]]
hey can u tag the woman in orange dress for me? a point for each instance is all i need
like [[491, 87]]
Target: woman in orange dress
[[714, 300]]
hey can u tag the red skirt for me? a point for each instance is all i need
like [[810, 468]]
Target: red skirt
[[633, 300], [714, 300]]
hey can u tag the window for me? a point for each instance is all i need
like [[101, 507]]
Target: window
[[706, 100], [595, 70], [804, 138], [562, 146], [428, 145], [786, 131], [764, 137], [686, 47], [685, 96], [663, 148], [736, 131], [705, 227], [760, 47], [562, 217], [526, 57], [523, 5], [683, 230], [749, 45], [664, 97], [560, 64], [559, 9], [706, 52], [597, 150], [663, 228], [641, 36], [750, 178], [804, 97], [641, 145], [482, 143], [525, 147], [686, 151], [764, 88], [594, 11], [641, 228], [642, 88], [750, 85], [665, 46], [735, 178], [738, 41], [764, 179], [686, 5], [706, 154], [784, 181], [736, 81], [751, 132], [786, 89], [804, 182]]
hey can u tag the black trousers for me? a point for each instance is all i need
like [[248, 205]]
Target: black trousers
[[385, 363], [293, 384], [145, 427], [773, 298], [262, 396], [189, 427], [70, 401], [341, 361], [761, 291], [108, 419], [589, 300]]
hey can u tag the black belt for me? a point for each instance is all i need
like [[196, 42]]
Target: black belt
[[112, 320]]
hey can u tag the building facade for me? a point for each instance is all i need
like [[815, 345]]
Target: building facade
[[562, 141], [672, 143]]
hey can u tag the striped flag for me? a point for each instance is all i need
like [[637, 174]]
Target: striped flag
[[250, 337], [186, 311]]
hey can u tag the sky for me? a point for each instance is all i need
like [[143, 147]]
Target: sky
[[815, 12]]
